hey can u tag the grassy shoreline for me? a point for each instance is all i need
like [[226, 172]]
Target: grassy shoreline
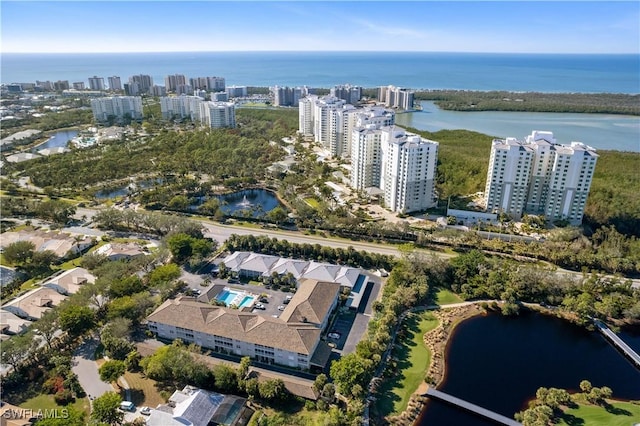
[[411, 359]]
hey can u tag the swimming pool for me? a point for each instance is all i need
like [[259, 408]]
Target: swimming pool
[[227, 296], [233, 297], [247, 301]]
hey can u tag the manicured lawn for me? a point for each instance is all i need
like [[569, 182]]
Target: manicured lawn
[[294, 415], [447, 297], [412, 360], [247, 224], [70, 264], [618, 414], [46, 402], [312, 202], [143, 390]]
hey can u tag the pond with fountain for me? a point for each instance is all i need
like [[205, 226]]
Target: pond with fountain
[[256, 201]]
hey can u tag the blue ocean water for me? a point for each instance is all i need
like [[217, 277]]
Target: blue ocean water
[[417, 70]]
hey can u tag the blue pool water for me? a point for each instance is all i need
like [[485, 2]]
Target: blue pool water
[[227, 296], [230, 296], [246, 301]]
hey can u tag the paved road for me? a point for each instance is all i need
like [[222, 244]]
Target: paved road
[[222, 232], [86, 368]]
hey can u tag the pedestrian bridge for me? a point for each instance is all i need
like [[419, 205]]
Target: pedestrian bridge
[[618, 342], [483, 412]]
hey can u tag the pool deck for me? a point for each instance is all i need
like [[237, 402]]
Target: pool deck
[[238, 300]]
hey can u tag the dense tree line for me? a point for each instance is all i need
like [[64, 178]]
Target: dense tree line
[[409, 285], [284, 248], [49, 121], [244, 152], [57, 211], [475, 275], [147, 222], [466, 100], [614, 198]]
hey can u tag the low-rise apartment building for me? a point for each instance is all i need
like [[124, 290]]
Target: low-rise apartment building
[[292, 340]]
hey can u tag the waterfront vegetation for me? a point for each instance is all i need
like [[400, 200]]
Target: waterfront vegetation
[[590, 407], [467, 100], [50, 121]]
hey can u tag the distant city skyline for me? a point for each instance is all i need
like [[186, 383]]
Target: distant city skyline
[[430, 26]]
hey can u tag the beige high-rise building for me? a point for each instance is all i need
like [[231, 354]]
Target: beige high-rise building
[[218, 114], [540, 176], [408, 170], [117, 107]]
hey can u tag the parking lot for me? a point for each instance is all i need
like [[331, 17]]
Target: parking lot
[[342, 326], [273, 299]]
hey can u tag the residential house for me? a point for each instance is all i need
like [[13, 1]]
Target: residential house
[[197, 407], [69, 282], [34, 304]]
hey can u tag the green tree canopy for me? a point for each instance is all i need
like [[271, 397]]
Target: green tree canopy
[[273, 390], [111, 370], [19, 253], [105, 409], [349, 371], [76, 319]]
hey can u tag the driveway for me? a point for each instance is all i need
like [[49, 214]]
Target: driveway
[[84, 365]]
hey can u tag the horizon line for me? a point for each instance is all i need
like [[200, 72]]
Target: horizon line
[[318, 51]]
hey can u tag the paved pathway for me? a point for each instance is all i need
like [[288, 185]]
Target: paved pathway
[[498, 418], [84, 365]]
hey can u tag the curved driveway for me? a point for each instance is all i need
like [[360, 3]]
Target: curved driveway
[[85, 366]]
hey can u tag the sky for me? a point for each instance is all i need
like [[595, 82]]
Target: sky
[[430, 26]]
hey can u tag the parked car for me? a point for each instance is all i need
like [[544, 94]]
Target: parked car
[[127, 406], [334, 335], [259, 306], [145, 411], [286, 301], [281, 308]]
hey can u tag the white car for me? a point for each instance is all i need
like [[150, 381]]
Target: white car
[[334, 335], [281, 308], [146, 411]]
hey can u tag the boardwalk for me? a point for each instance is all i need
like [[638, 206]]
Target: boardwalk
[[498, 418], [618, 342]]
